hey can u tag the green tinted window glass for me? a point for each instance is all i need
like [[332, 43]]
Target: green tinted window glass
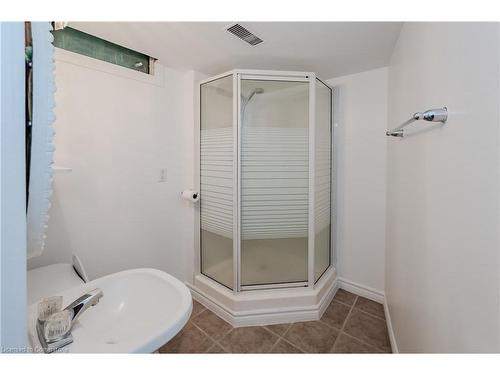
[[85, 44]]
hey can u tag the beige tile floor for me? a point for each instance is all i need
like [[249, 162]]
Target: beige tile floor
[[350, 324]]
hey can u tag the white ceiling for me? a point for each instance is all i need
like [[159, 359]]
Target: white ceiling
[[330, 49]]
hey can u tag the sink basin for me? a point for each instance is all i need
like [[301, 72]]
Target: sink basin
[[141, 310]]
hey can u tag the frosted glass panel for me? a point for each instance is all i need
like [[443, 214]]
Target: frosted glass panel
[[216, 180], [274, 181], [322, 178], [85, 44]]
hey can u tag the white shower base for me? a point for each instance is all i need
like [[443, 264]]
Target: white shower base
[[263, 261], [269, 306]]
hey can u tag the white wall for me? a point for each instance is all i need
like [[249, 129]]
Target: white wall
[[116, 128], [360, 171], [13, 330], [442, 283]]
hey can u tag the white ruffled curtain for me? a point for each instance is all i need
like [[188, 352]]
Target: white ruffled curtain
[[42, 148]]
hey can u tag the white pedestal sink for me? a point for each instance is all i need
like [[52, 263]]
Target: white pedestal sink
[[141, 310]]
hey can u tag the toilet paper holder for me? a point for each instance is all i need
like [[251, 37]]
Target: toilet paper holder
[[190, 195]]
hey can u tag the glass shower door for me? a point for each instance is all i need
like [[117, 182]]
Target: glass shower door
[[274, 168], [322, 179], [216, 180]]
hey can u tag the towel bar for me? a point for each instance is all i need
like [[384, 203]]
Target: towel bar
[[432, 115]]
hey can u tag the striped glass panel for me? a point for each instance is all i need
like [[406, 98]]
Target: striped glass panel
[[322, 177], [216, 180], [274, 181]]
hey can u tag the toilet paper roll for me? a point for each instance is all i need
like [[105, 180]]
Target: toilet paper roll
[[190, 195]]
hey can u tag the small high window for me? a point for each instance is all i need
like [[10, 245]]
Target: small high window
[[85, 44]]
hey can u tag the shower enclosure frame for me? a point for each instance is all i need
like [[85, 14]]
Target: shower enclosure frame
[[267, 75]]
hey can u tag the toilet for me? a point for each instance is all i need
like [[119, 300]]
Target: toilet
[[50, 280]]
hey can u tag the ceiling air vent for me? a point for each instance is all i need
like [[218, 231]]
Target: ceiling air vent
[[244, 34]]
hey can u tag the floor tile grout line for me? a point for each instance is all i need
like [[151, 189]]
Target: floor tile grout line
[[214, 341], [224, 348], [341, 330], [298, 347], [288, 329], [275, 334], [348, 315], [219, 341], [195, 315], [206, 334], [363, 342], [369, 313], [351, 336], [233, 328], [202, 331], [199, 312], [227, 333], [285, 340], [208, 350], [288, 342], [276, 343], [357, 308], [343, 303]]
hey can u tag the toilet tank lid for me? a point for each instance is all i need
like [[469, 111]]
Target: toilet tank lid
[[50, 280]]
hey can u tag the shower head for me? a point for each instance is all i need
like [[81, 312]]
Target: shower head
[[245, 101], [258, 90]]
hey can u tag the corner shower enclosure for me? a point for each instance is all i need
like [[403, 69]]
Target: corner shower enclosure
[[265, 167]]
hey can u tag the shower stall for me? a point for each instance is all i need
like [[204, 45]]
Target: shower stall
[[265, 178]]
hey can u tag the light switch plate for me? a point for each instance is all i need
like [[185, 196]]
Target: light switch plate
[[163, 175]]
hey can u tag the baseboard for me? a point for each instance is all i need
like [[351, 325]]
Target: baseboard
[[392, 337], [374, 295], [328, 298], [217, 309], [361, 290]]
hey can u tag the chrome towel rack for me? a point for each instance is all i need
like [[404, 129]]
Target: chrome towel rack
[[432, 115]]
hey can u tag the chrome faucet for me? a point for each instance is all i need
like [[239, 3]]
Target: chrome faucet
[[75, 310], [79, 306]]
